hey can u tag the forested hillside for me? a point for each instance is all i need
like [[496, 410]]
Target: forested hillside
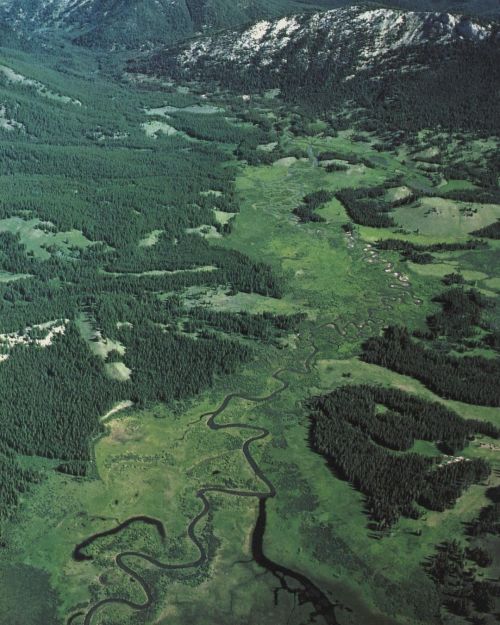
[[135, 25], [79, 294], [404, 70]]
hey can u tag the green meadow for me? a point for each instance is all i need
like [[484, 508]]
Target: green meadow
[[152, 458]]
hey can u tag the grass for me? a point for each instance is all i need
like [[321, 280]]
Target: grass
[[151, 239], [97, 344], [493, 283], [14, 77], [439, 270], [118, 371], [140, 451], [37, 236], [456, 185], [6, 276], [152, 460], [441, 217], [199, 109], [223, 217], [41, 608], [223, 299], [154, 127]]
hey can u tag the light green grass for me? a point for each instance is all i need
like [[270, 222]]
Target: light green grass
[[118, 371], [154, 127], [441, 217], [439, 270], [37, 236], [493, 283], [151, 239], [6, 276], [222, 217]]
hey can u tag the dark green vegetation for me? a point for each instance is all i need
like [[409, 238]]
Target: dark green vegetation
[[306, 211], [42, 604], [355, 427], [472, 379], [364, 206], [422, 254], [464, 594], [461, 324], [129, 25], [454, 92], [92, 186], [489, 232], [165, 320], [460, 316], [458, 570]]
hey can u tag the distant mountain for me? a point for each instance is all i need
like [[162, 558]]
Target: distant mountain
[[11, 38], [402, 66], [144, 24], [133, 24], [352, 38], [486, 8]]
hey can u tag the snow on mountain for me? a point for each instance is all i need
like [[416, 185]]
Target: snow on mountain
[[364, 33], [133, 24]]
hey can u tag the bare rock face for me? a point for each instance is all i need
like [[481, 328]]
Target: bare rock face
[[355, 37]]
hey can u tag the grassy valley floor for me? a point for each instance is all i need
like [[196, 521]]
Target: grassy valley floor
[[163, 462]]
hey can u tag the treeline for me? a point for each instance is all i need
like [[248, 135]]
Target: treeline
[[248, 151], [488, 520], [462, 593], [28, 302], [51, 398], [471, 379], [351, 157], [264, 326], [354, 437], [465, 317], [310, 203], [405, 418], [14, 480], [167, 366], [461, 314], [489, 195], [422, 253], [482, 172], [453, 567], [454, 92], [402, 246], [366, 206], [111, 309], [215, 127], [98, 173], [489, 232], [110, 195]]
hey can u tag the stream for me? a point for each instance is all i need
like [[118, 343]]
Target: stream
[[304, 588]]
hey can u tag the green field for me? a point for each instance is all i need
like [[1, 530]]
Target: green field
[[164, 227]]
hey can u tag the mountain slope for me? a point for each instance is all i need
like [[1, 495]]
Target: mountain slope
[[131, 24], [382, 59], [486, 8], [354, 38]]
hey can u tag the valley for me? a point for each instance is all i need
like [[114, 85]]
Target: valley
[[249, 351]]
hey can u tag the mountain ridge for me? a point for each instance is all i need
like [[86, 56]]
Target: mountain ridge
[[134, 24], [146, 24], [374, 57]]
